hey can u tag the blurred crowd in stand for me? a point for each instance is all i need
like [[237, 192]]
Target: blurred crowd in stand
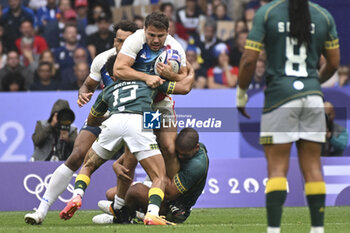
[[49, 44]]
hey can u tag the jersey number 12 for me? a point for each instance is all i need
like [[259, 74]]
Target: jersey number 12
[[296, 59]]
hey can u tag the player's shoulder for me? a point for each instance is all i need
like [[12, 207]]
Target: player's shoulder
[[169, 38], [316, 6], [200, 160], [103, 57], [202, 152], [139, 32], [134, 43], [171, 41], [323, 12], [137, 37], [202, 147], [106, 54], [272, 7]]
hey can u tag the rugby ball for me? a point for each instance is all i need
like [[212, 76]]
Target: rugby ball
[[171, 57]]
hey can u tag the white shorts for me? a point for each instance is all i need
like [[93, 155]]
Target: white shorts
[[166, 107], [302, 118], [125, 127]]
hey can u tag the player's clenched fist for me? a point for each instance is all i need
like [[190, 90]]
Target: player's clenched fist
[[154, 81]]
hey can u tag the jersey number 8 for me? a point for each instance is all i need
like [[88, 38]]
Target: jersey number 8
[[296, 59]]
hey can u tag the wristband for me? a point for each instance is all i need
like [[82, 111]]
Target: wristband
[[241, 97]]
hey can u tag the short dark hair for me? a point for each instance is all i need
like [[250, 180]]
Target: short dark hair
[[157, 19], [13, 77], [187, 139], [109, 64], [103, 17], [26, 20], [165, 5], [220, 4], [70, 25], [138, 17], [125, 25], [45, 63]]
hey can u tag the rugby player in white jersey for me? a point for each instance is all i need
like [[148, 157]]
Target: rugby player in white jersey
[[63, 174], [136, 61]]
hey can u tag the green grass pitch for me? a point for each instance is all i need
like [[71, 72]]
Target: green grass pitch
[[247, 220]]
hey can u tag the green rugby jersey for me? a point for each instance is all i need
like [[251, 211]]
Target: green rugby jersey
[[191, 179], [128, 97], [291, 69]]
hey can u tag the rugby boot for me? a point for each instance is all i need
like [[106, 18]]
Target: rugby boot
[[121, 216], [151, 219], [103, 219], [35, 218], [105, 206], [72, 206]]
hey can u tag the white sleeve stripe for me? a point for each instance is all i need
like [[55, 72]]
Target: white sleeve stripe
[[95, 77], [127, 54]]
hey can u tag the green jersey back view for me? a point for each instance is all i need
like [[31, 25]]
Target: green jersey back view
[[291, 69], [128, 97]]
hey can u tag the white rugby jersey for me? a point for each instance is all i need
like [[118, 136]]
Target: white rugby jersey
[[135, 46], [98, 70]]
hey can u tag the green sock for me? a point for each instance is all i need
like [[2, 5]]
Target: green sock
[[316, 206], [274, 204], [316, 198], [276, 193], [155, 200]]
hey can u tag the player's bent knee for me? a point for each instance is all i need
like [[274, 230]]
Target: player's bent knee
[[110, 193]]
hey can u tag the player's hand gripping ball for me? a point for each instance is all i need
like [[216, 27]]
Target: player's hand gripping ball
[[171, 57]]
